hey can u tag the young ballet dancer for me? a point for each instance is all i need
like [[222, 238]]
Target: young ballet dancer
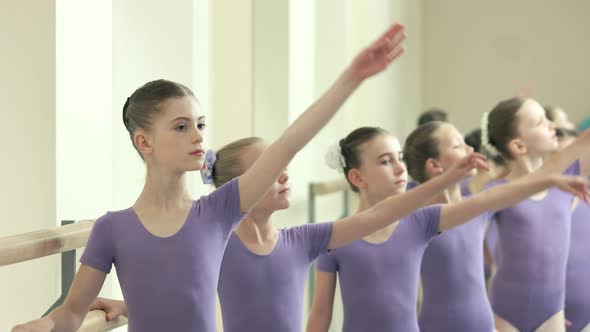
[[168, 248], [379, 274], [577, 292], [528, 290]]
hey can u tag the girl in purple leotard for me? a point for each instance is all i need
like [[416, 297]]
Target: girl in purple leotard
[[528, 290], [577, 296], [577, 292]]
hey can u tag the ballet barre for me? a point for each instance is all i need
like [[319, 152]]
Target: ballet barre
[[62, 240], [95, 322], [23, 247]]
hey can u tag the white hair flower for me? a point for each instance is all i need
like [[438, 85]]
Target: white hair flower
[[485, 137], [334, 158]]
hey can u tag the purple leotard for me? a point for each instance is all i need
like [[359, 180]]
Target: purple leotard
[[379, 282], [453, 281], [534, 237], [577, 296], [265, 292], [168, 283]]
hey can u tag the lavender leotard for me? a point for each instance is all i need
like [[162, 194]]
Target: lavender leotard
[[265, 292], [379, 282], [534, 237], [453, 281], [168, 283], [577, 296]]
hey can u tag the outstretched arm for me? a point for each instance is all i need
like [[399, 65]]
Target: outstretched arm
[[503, 196], [579, 149], [395, 207], [257, 179]]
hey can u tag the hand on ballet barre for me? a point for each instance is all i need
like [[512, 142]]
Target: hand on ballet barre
[[112, 308]]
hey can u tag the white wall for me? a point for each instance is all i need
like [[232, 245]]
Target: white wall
[[477, 53], [84, 171], [270, 67], [83, 117], [27, 141], [232, 71]]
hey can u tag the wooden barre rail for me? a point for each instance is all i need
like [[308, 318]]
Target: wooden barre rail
[[27, 246], [328, 187], [95, 322]]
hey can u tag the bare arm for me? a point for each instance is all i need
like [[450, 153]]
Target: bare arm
[[395, 207], [503, 196], [320, 316], [515, 191], [579, 149], [69, 316], [254, 183]]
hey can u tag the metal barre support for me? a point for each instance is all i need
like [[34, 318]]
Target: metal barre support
[[68, 271]]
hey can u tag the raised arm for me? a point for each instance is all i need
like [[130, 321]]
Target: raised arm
[[70, 315], [395, 207], [257, 179], [320, 316]]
